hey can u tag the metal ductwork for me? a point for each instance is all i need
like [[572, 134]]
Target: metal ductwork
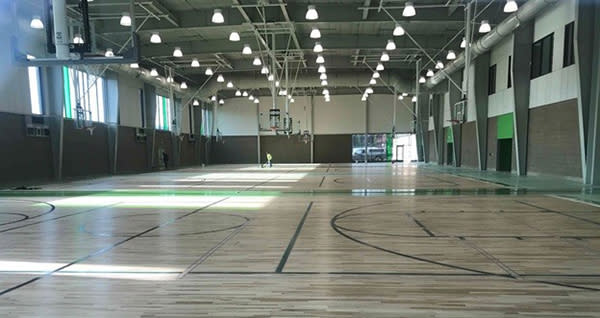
[[526, 12]]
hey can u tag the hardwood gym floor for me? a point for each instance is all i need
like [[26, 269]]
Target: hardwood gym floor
[[297, 241]]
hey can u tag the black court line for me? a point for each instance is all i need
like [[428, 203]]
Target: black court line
[[108, 248], [421, 225], [290, 246], [52, 208], [328, 167], [560, 213], [341, 273], [323, 179]]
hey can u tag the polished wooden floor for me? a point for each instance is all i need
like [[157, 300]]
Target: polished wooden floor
[[297, 241]]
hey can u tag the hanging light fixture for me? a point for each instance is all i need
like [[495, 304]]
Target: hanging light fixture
[[318, 48], [77, 39], [221, 101], [463, 43], [323, 76], [153, 72], [369, 90], [320, 59], [292, 100], [213, 98], [177, 52], [256, 61], [229, 84], [209, 71], [409, 10], [384, 57], [109, 53], [234, 36], [511, 6], [325, 91], [155, 38], [429, 73], [439, 65], [134, 65], [398, 30], [372, 81], [183, 85], [315, 33], [282, 92], [277, 84], [270, 78], [485, 27], [321, 69], [264, 70], [404, 94], [400, 97], [256, 101], [247, 50], [324, 83], [217, 16], [364, 98], [36, 23], [414, 99], [125, 19], [422, 80], [311, 13], [195, 63], [220, 78], [238, 93], [169, 79], [376, 74], [390, 46], [245, 94], [379, 67], [451, 55], [251, 97], [327, 98], [196, 103]]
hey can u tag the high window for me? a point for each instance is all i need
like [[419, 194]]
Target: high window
[[541, 59], [509, 78], [35, 92], [492, 80], [569, 50], [84, 93], [163, 113]]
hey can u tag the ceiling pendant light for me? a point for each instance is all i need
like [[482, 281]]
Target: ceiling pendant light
[[282, 92], [220, 78], [229, 84], [404, 94], [325, 91], [245, 94], [109, 53], [364, 98], [125, 19], [183, 85], [208, 71], [270, 78], [422, 80], [311, 13], [376, 74], [372, 81], [384, 57], [292, 100], [153, 72], [379, 67], [196, 103], [169, 79], [398, 30], [315, 33], [451, 55], [234, 36], [320, 59], [217, 16], [511, 6], [409, 10], [251, 97], [439, 65], [277, 84], [369, 90], [221, 101], [264, 70], [256, 61], [155, 38], [327, 98], [36, 23], [323, 76], [485, 27], [324, 83], [463, 43], [390, 46], [318, 48], [213, 98], [238, 93], [246, 50], [134, 65], [77, 39], [177, 52], [195, 63], [429, 73], [321, 69], [400, 97], [414, 99], [256, 101]]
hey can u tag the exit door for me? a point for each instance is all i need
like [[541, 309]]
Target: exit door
[[504, 162]]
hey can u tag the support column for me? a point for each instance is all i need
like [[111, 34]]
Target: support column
[[587, 55], [150, 104], [53, 93], [523, 39], [480, 102], [438, 126], [111, 114], [422, 110], [196, 129], [455, 97]]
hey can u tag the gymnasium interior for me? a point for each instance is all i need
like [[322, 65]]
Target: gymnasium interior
[[300, 158]]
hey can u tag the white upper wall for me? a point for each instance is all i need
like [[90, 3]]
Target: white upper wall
[[14, 82], [237, 117], [130, 108], [502, 102], [561, 83]]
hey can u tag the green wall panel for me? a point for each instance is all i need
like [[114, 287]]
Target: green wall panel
[[449, 135], [505, 126]]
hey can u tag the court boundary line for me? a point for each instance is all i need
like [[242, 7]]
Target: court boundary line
[[288, 250]]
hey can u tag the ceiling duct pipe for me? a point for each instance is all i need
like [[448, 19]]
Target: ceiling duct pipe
[[526, 12]]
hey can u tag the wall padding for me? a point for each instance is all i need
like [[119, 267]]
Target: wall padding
[[469, 145], [131, 156], [432, 151], [333, 148], [84, 154], [284, 149], [234, 150]]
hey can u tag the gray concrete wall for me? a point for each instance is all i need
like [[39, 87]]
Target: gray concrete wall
[[469, 145]]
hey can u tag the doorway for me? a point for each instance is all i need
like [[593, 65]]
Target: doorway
[[450, 153], [504, 159]]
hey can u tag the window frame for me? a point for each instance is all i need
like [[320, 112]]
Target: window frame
[[163, 113], [546, 44], [94, 85], [509, 77], [569, 45], [35, 84], [492, 74]]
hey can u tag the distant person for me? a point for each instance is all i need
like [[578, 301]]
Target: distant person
[[165, 160], [269, 158]]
